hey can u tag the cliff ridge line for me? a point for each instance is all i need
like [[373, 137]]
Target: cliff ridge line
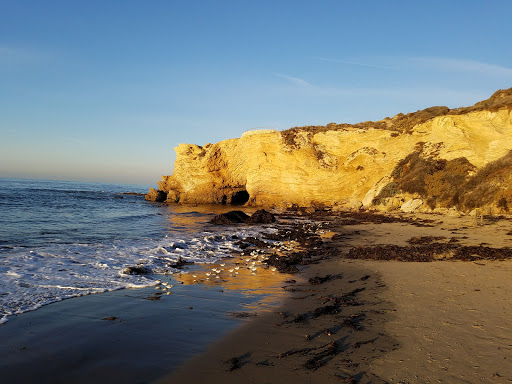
[[431, 155]]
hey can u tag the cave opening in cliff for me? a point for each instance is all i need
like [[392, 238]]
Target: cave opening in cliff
[[239, 198]]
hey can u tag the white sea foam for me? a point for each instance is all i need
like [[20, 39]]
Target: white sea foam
[[31, 278]]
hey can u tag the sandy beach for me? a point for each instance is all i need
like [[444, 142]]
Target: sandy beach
[[255, 192], [374, 321], [124, 336], [345, 310]]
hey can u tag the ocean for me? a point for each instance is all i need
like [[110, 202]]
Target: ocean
[[62, 239]]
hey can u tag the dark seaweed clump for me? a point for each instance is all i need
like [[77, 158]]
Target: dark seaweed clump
[[285, 263], [430, 252], [361, 217], [424, 239], [317, 280]]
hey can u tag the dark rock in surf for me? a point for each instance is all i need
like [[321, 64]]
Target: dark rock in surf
[[136, 270], [261, 217], [236, 217], [231, 217], [180, 263]]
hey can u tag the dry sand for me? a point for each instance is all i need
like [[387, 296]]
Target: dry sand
[[453, 321], [379, 321]]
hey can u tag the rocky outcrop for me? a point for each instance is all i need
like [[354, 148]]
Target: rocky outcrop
[[411, 205], [236, 217], [380, 164], [231, 217]]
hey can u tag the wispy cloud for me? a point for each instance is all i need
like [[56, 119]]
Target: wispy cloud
[[356, 63], [6, 52], [293, 80], [79, 141], [9, 54], [448, 64], [431, 63]]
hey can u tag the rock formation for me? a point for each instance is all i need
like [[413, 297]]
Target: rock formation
[[426, 160]]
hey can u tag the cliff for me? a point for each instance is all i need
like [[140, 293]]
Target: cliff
[[435, 158]]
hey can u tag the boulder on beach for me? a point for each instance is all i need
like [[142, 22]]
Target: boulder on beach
[[411, 205], [236, 217], [261, 217], [231, 217]]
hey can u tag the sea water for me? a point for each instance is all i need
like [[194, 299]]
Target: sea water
[[65, 239]]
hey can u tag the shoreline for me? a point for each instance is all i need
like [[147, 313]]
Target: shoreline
[[299, 342], [329, 319], [416, 321], [127, 335]]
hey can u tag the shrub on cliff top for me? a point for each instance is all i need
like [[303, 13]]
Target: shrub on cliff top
[[404, 123], [499, 99], [401, 123]]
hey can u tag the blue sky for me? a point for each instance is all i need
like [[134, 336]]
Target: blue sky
[[103, 90]]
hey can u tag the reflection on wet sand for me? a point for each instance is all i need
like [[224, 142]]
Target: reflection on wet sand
[[245, 272], [193, 216]]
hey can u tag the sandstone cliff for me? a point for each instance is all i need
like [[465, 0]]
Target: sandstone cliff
[[428, 159]]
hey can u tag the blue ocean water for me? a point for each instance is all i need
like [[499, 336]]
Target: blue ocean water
[[35, 212], [63, 239]]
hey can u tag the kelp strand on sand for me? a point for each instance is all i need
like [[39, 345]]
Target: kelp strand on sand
[[430, 252]]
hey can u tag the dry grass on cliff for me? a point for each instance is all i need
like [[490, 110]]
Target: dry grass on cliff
[[404, 123], [439, 182], [436, 180], [399, 124], [499, 99], [450, 183]]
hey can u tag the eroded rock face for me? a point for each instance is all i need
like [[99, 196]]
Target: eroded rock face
[[273, 173], [411, 205], [157, 196], [351, 166]]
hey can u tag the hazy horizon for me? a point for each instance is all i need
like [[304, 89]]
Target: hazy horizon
[[151, 184], [103, 91]]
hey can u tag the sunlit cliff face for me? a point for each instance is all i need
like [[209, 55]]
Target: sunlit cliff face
[[343, 165]]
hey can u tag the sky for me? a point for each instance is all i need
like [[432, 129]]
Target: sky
[[104, 90]]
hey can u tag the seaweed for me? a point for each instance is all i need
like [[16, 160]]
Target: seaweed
[[317, 280], [430, 252]]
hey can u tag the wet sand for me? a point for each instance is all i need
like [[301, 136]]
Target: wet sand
[[335, 320], [375, 321], [297, 345], [125, 336]]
